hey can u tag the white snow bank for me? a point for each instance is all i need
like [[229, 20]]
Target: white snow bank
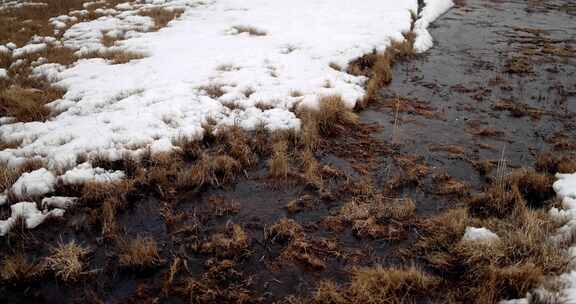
[[114, 109], [35, 183], [482, 235], [3, 73], [84, 173], [432, 10], [30, 214]]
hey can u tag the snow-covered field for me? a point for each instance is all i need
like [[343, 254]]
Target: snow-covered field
[[263, 58]]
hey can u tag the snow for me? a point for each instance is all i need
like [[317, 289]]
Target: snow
[[115, 109], [35, 183], [29, 49], [481, 235], [84, 173], [62, 202], [3, 73], [432, 10], [29, 212]]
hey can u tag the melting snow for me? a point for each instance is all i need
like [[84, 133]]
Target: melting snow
[[111, 109], [35, 183], [481, 235]]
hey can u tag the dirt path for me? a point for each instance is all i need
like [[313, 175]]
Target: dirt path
[[499, 83]]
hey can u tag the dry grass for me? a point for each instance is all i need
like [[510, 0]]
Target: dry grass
[[330, 119], [279, 164], [18, 25], [161, 16], [93, 193], [552, 163], [513, 193], [114, 56], [27, 104], [378, 66], [507, 269], [16, 268], [311, 170], [215, 171], [519, 65], [66, 261], [237, 145], [379, 285], [220, 206], [250, 30], [283, 231], [138, 253], [213, 90], [8, 177], [234, 241]]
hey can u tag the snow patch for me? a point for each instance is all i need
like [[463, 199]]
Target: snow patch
[[35, 183], [30, 214], [482, 235], [29, 49], [62, 202], [84, 173], [432, 10]]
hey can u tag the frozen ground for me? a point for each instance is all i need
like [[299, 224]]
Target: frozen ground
[[263, 58]]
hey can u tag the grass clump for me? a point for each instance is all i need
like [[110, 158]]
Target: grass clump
[[16, 269], [161, 16], [66, 261], [139, 253], [114, 55], [230, 243], [27, 104], [279, 164], [330, 119], [379, 285]]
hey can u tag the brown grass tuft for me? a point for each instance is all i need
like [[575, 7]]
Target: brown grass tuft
[[284, 230], [26, 104], [233, 242], [390, 285], [115, 56], [161, 16], [8, 177], [279, 164], [550, 163], [138, 253], [311, 170], [331, 119], [16, 269], [66, 261]]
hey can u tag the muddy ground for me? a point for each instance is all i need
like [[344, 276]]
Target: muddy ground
[[499, 84]]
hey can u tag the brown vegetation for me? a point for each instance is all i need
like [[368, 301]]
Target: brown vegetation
[[379, 285], [138, 253], [66, 261], [17, 269], [161, 16]]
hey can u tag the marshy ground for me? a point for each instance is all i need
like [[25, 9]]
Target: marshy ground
[[363, 209]]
